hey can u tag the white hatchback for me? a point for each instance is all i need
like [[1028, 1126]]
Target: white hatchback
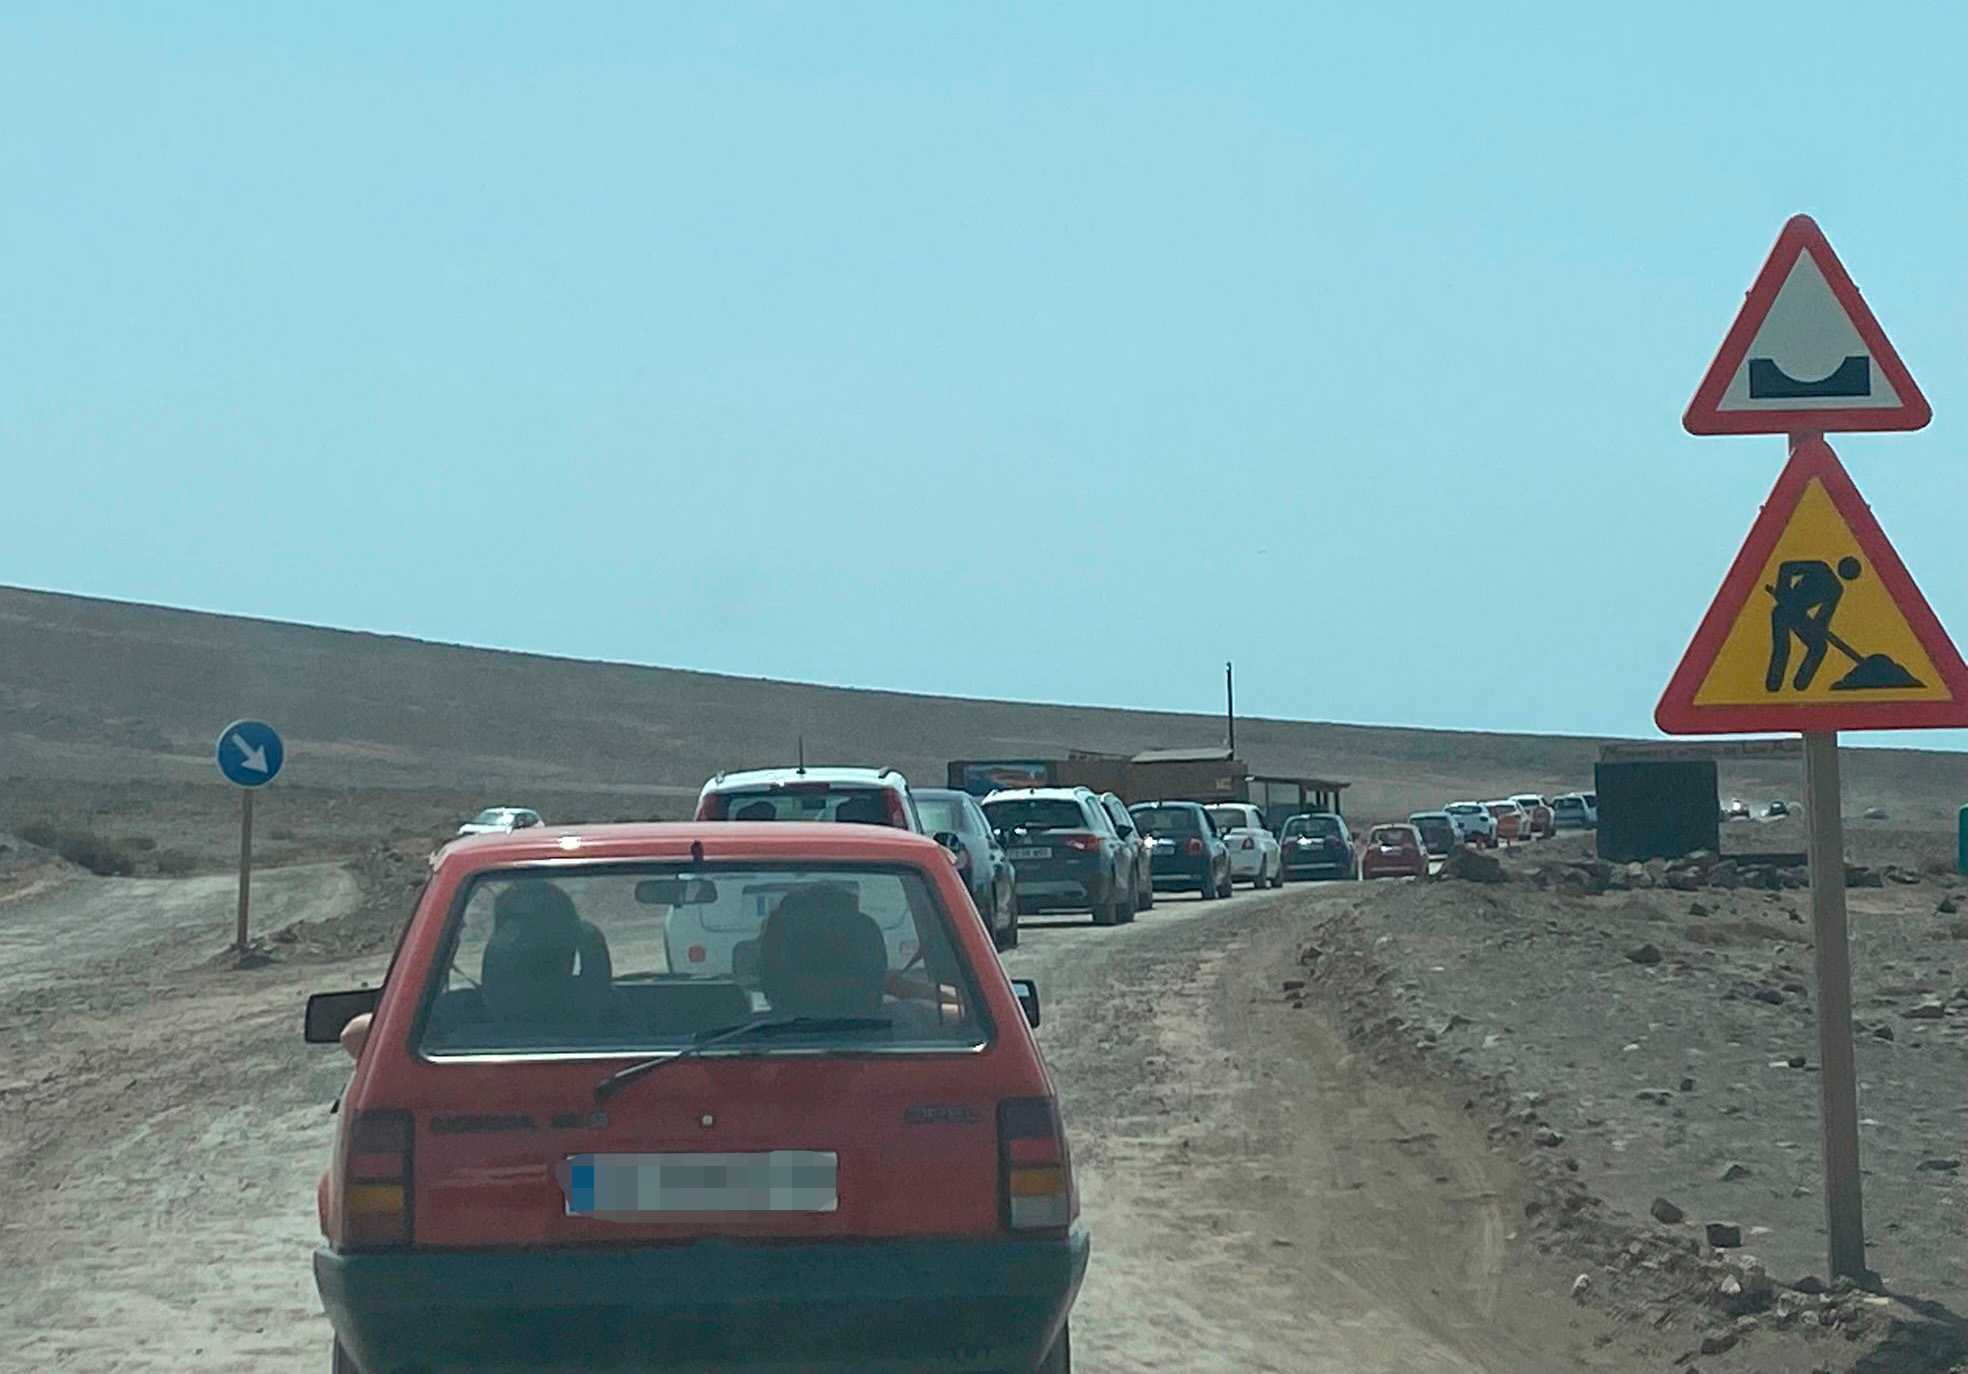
[[870, 796], [1473, 823], [1256, 857]]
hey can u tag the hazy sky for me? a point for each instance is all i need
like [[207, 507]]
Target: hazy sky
[[1044, 351]]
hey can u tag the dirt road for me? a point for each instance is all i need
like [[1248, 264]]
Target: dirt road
[[68, 923], [1257, 1203]]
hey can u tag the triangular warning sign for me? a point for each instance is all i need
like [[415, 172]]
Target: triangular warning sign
[[1805, 354], [1818, 625]]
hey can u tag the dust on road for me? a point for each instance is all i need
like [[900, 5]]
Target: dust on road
[[1257, 1203]]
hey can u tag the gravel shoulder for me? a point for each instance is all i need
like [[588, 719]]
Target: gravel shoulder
[[1652, 1044], [1260, 1199]]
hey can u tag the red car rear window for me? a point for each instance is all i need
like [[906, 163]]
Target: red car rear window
[[635, 958]]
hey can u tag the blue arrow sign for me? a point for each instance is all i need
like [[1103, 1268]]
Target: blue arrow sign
[[250, 753]]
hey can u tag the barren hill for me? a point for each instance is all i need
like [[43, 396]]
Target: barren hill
[[109, 692]]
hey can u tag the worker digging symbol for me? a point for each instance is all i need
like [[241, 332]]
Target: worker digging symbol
[[1807, 593]]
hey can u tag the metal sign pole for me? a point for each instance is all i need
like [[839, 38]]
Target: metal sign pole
[[245, 866], [1844, 1215]]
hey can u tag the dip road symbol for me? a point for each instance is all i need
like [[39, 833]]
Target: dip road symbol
[[1805, 354], [1818, 625]]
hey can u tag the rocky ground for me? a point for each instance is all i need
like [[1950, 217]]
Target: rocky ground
[[1645, 1038]]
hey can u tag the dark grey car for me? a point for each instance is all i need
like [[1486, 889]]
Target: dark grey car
[[1066, 852], [1142, 847], [1188, 853], [987, 870]]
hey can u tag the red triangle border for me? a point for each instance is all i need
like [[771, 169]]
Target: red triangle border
[[1802, 235], [1677, 713]]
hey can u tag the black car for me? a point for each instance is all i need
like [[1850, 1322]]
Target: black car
[[1068, 857], [1318, 845], [1189, 855], [987, 869]]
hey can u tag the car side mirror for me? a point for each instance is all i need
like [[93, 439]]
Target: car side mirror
[[329, 1013], [1028, 999]]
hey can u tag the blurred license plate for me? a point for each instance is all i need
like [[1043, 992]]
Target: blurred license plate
[[628, 1186], [1032, 853]]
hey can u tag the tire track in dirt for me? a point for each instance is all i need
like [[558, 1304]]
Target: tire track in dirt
[[1258, 1202]]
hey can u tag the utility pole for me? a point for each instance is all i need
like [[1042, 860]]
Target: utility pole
[[1230, 705]]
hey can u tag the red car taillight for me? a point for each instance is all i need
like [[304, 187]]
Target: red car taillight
[[1085, 843], [376, 1192], [1193, 848], [711, 807], [1035, 1166]]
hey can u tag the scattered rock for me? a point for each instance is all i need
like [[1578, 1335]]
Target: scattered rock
[[1939, 1166], [1697, 909], [1770, 995], [1882, 1031], [1547, 1137], [1796, 1061], [1811, 1284], [1645, 954], [1667, 1213], [1687, 1085], [1875, 813], [1947, 906], [1294, 984], [1581, 1285], [1904, 877], [1472, 865], [1684, 880], [1658, 1096], [1724, 1236], [1932, 1010], [1734, 1170], [1725, 874], [1716, 1342]]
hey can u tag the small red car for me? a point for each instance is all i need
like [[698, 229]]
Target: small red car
[[1394, 851], [717, 1095]]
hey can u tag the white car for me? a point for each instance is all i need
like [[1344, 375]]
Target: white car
[[870, 796], [501, 820], [1256, 857], [1473, 823], [1575, 811]]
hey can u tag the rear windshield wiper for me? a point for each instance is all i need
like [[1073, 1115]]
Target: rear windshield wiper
[[718, 1035]]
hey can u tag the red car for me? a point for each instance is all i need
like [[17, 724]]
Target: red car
[[714, 1095], [1394, 851]]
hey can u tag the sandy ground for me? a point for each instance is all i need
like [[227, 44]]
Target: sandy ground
[[1258, 1202], [1263, 1196]]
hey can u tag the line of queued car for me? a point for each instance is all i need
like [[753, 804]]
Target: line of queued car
[[1030, 850]]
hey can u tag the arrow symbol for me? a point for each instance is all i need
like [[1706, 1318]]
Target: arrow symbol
[[255, 759]]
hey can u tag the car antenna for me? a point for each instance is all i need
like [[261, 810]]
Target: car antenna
[[801, 770]]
